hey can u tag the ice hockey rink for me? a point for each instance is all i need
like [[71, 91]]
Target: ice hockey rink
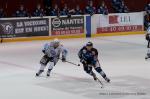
[[122, 58]]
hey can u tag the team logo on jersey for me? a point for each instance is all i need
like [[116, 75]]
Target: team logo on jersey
[[84, 51], [56, 22], [7, 28]]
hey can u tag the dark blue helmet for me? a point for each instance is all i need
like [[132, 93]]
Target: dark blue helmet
[[89, 44]]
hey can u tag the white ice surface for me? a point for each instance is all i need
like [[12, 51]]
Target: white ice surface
[[121, 57]]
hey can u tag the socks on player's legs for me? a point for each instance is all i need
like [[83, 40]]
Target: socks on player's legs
[[99, 70], [41, 70]]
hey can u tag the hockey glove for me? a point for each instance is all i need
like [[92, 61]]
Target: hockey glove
[[63, 59], [83, 62], [43, 51], [51, 59]]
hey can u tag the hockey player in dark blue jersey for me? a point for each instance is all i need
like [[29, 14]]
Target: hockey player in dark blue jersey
[[148, 45], [89, 58]]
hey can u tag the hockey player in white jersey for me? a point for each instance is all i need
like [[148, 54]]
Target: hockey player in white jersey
[[148, 45], [52, 53]]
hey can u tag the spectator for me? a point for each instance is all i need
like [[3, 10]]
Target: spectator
[[147, 16], [2, 14], [147, 20], [102, 9], [21, 12], [38, 11], [47, 3], [147, 8], [123, 8], [116, 4], [78, 11], [65, 10], [55, 11], [48, 10], [89, 8], [119, 6]]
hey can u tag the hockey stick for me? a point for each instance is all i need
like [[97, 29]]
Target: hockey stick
[[70, 62], [73, 63], [102, 85]]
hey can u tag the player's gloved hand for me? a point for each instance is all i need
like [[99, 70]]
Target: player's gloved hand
[[63, 59], [93, 62], [51, 58], [83, 62], [43, 51], [147, 37]]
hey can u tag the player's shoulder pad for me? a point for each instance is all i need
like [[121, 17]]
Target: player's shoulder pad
[[84, 47], [61, 45], [46, 44], [95, 50]]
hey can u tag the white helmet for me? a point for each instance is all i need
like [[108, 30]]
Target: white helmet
[[56, 41]]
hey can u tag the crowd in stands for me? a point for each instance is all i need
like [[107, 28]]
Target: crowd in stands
[[147, 16], [2, 13], [118, 6]]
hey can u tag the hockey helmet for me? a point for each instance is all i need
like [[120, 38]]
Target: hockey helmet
[[89, 44], [56, 41]]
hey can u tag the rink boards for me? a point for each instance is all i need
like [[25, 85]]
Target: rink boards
[[47, 28], [67, 37]]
